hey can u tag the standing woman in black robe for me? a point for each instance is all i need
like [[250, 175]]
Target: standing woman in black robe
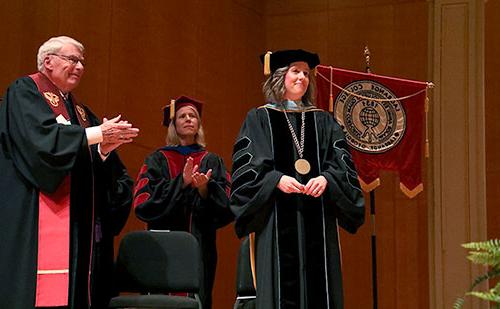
[[183, 187], [293, 183]]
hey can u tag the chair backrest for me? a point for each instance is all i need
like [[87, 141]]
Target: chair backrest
[[158, 262], [244, 279]]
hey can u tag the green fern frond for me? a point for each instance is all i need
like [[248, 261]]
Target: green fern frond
[[485, 258], [483, 245], [484, 253], [489, 296], [459, 303], [493, 273]]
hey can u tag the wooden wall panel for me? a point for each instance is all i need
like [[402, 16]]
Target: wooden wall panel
[[492, 106], [293, 34], [151, 62], [458, 212], [90, 23], [25, 25], [238, 94], [351, 33], [454, 159]]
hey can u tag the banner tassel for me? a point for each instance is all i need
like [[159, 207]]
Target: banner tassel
[[330, 101], [427, 151]]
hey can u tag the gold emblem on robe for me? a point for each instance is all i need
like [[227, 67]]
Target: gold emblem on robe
[[81, 111], [52, 98]]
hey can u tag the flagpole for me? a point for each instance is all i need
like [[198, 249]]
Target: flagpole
[[372, 216], [374, 251]]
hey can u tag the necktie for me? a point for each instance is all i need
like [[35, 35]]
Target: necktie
[[71, 110]]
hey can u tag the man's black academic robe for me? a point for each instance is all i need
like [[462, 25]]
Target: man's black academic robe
[[37, 153]]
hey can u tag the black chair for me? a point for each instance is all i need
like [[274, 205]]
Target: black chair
[[245, 290], [155, 263]]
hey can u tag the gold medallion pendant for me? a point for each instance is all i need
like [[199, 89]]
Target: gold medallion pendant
[[302, 166]]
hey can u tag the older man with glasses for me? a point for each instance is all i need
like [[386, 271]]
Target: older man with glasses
[[64, 191]]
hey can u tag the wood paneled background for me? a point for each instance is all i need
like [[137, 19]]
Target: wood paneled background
[[141, 53]]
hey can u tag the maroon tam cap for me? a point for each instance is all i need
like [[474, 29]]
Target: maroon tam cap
[[170, 110]]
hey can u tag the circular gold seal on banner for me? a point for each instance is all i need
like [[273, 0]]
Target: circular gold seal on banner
[[371, 126]]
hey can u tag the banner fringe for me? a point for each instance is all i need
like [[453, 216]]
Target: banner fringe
[[369, 187], [411, 193]]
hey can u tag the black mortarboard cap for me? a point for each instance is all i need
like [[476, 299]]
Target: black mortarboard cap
[[282, 58]]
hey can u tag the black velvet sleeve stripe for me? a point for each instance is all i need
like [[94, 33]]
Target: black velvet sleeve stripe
[[240, 162], [341, 145], [343, 191], [241, 144], [254, 175], [348, 165], [246, 177]]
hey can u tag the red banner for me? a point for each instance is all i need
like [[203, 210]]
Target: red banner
[[382, 118]]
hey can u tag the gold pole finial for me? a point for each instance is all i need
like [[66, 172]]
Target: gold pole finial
[[367, 59]]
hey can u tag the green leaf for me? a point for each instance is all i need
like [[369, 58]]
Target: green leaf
[[483, 253]]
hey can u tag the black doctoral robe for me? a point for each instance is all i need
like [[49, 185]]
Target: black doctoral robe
[[161, 201], [113, 202], [297, 251], [37, 153]]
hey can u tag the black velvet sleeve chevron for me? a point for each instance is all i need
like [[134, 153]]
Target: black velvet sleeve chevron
[[254, 177], [343, 191]]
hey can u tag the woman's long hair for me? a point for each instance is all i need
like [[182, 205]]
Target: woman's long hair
[[274, 87]]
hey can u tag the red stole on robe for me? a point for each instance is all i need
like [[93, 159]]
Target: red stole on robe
[[177, 160], [54, 216]]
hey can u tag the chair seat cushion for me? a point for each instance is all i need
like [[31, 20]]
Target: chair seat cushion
[[153, 301]]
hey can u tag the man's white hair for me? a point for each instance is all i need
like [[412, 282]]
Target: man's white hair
[[53, 46]]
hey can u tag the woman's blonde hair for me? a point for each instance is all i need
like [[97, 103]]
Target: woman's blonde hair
[[173, 139]]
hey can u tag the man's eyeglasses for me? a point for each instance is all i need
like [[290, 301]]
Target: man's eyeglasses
[[71, 59]]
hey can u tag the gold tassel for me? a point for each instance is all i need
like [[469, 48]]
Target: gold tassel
[[427, 151], [330, 104], [267, 63], [172, 109]]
